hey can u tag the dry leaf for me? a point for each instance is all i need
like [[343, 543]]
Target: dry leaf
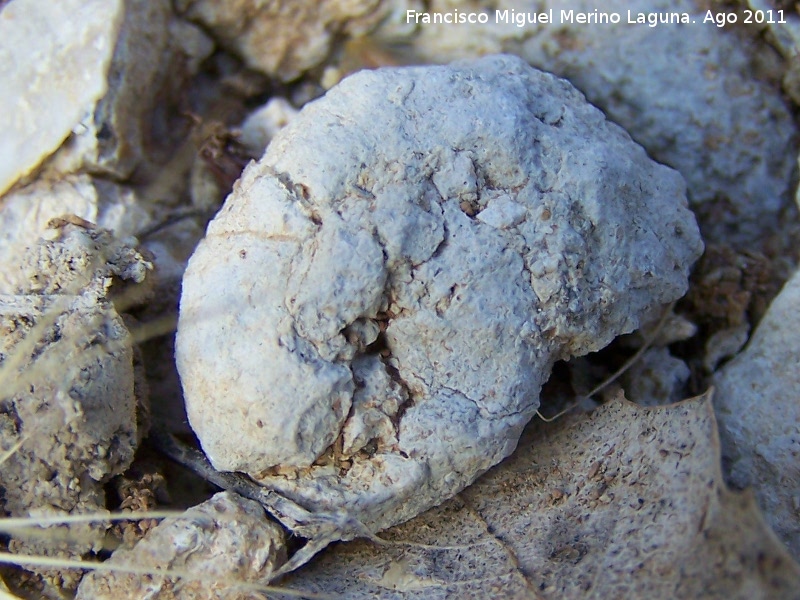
[[624, 502], [447, 552]]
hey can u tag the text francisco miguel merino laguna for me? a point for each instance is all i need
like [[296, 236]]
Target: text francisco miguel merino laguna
[[520, 19]]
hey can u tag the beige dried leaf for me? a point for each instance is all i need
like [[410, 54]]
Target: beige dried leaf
[[624, 502], [447, 552]]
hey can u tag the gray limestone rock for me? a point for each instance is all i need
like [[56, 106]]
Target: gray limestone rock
[[758, 409], [87, 85], [367, 324], [657, 378], [697, 97], [125, 133]]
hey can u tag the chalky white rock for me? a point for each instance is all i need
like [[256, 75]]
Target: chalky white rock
[[53, 63], [367, 324]]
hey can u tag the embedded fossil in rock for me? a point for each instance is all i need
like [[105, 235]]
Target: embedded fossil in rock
[[367, 324]]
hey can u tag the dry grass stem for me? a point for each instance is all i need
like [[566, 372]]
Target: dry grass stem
[[22, 560]]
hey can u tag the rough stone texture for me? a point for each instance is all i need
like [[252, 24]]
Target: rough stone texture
[[758, 409], [68, 399], [114, 71], [26, 212], [393, 281], [691, 95], [78, 259], [123, 118], [79, 421], [154, 55], [54, 60], [221, 542], [657, 378], [784, 36], [724, 344], [111, 139], [283, 38]]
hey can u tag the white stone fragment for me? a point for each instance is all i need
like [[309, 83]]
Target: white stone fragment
[[360, 221], [125, 131], [758, 409], [122, 124], [54, 58], [283, 38], [221, 544], [261, 125], [26, 211], [502, 212], [106, 97]]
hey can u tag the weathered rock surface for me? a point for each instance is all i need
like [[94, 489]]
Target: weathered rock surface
[[48, 88], [264, 123], [367, 325], [68, 404], [92, 84], [71, 409], [283, 38], [220, 544], [695, 96], [782, 29], [758, 409], [154, 52], [26, 212]]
